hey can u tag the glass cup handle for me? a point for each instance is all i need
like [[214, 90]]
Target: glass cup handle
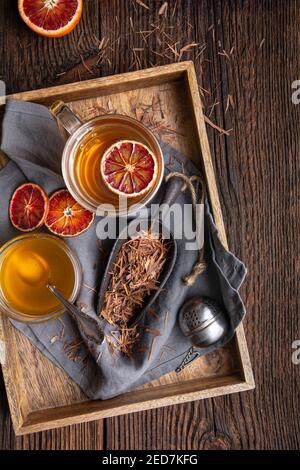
[[65, 116]]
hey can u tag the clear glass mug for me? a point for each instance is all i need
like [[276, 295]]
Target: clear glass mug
[[82, 158]]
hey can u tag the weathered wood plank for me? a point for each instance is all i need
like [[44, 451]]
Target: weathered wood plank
[[257, 171]]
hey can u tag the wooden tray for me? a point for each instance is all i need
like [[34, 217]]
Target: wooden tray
[[40, 395]]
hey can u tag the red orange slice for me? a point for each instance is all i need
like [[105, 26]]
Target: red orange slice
[[129, 168], [66, 217], [51, 18], [28, 207]]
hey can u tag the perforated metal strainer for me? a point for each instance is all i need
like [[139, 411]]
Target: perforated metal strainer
[[201, 320]]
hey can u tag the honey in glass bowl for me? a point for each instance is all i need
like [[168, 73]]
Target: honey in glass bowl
[[27, 264]]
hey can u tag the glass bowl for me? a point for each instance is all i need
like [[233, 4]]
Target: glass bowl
[[14, 314]]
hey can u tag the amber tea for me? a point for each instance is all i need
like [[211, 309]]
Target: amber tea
[[89, 152]]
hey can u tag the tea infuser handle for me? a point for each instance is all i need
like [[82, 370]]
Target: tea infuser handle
[[191, 355], [65, 116]]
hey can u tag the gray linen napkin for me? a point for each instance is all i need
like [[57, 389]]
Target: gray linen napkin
[[29, 136]]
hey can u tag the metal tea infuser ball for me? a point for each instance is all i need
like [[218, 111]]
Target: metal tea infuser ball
[[204, 322]]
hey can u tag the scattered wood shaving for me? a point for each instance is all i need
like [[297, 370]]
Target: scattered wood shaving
[[73, 351], [166, 319], [123, 340], [54, 339], [151, 347], [230, 102], [153, 313], [204, 91], [216, 127], [215, 103], [62, 329], [174, 9], [224, 53], [187, 48], [86, 66], [163, 9], [261, 43], [142, 4], [89, 288]]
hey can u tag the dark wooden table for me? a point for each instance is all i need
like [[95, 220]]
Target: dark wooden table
[[246, 72]]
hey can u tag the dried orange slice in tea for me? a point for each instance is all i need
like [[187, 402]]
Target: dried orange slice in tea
[[129, 168], [28, 207], [51, 18], [66, 217]]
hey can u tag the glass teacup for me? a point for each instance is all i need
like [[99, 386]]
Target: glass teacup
[[84, 150]]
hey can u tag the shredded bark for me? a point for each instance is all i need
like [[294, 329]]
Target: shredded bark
[[85, 65], [73, 351], [135, 275], [216, 127], [230, 102], [124, 340], [142, 4], [163, 9]]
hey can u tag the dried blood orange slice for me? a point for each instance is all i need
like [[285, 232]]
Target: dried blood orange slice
[[28, 207], [51, 18], [129, 168], [66, 217]]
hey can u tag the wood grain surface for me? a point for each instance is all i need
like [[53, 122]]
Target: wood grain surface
[[245, 70]]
